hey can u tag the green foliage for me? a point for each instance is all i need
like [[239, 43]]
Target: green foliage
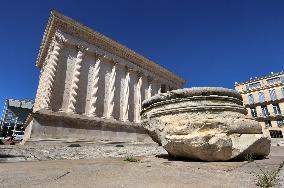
[[268, 178], [131, 159], [249, 157]]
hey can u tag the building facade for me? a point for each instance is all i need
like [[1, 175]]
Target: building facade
[[264, 100], [93, 82], [14, 115]]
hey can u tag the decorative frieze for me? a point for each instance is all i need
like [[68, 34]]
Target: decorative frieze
[[75, 79]]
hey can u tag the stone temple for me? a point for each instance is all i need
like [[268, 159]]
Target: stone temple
[[91, 87]]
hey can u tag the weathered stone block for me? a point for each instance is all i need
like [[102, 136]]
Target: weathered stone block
[[206, 123]]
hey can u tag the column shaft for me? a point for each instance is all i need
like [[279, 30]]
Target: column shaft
[[75, 81], [159, 87], [137, 106], [110, 93], [149, 89], [125, 104], [50, 72], [94, 88]]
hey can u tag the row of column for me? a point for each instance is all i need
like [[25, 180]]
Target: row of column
[[48, 78]]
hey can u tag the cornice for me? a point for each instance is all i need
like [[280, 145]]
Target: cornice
[[58, 21], [265, 87], [261, 78]]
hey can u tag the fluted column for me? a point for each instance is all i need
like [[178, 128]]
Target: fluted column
[[159, 86], [149, 88], [110, 93], [51, 69], [42, 78], [125, 103], [75, 80], [94, 87], [137, 106]]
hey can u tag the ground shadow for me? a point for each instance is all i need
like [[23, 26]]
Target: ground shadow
[[175, 158]]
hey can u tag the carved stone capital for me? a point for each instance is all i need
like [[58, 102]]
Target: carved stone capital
[[149, 79], [60, 39], [99, 56], [140, 74], [82, 48], [129, 69], [114, 63]]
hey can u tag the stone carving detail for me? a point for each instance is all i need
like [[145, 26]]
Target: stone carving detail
[[138, 99], [94, 87], [51, 69], [209, 124], [125, 106], [75, 80], [111, 90]]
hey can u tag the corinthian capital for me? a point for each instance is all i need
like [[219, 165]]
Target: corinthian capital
[[60, 38], [82, 48], [149, 79], [140, 74]]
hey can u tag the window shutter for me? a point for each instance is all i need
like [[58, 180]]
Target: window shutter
[[273, 95]]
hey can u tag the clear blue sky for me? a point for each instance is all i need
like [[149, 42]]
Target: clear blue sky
[[207, 42]]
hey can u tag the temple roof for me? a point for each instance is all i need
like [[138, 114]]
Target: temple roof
[[63, 23]]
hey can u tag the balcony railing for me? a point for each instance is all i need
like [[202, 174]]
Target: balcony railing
[[276, 114], [273, 114], [264, 115], [280, 125]]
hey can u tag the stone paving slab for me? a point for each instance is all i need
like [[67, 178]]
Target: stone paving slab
[[104, 166]]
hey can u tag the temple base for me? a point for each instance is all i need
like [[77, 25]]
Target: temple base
[[47, 125]]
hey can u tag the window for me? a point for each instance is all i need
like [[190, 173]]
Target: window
[[253, 86], [280, 122], [253, 112], [273, 94], [261, 97], [276, 134], [267, 123], [276, 109], [250, 99], [264, 110], [273, 80]]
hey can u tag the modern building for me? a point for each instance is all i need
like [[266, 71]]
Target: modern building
[[14, 115], [264, 99]]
